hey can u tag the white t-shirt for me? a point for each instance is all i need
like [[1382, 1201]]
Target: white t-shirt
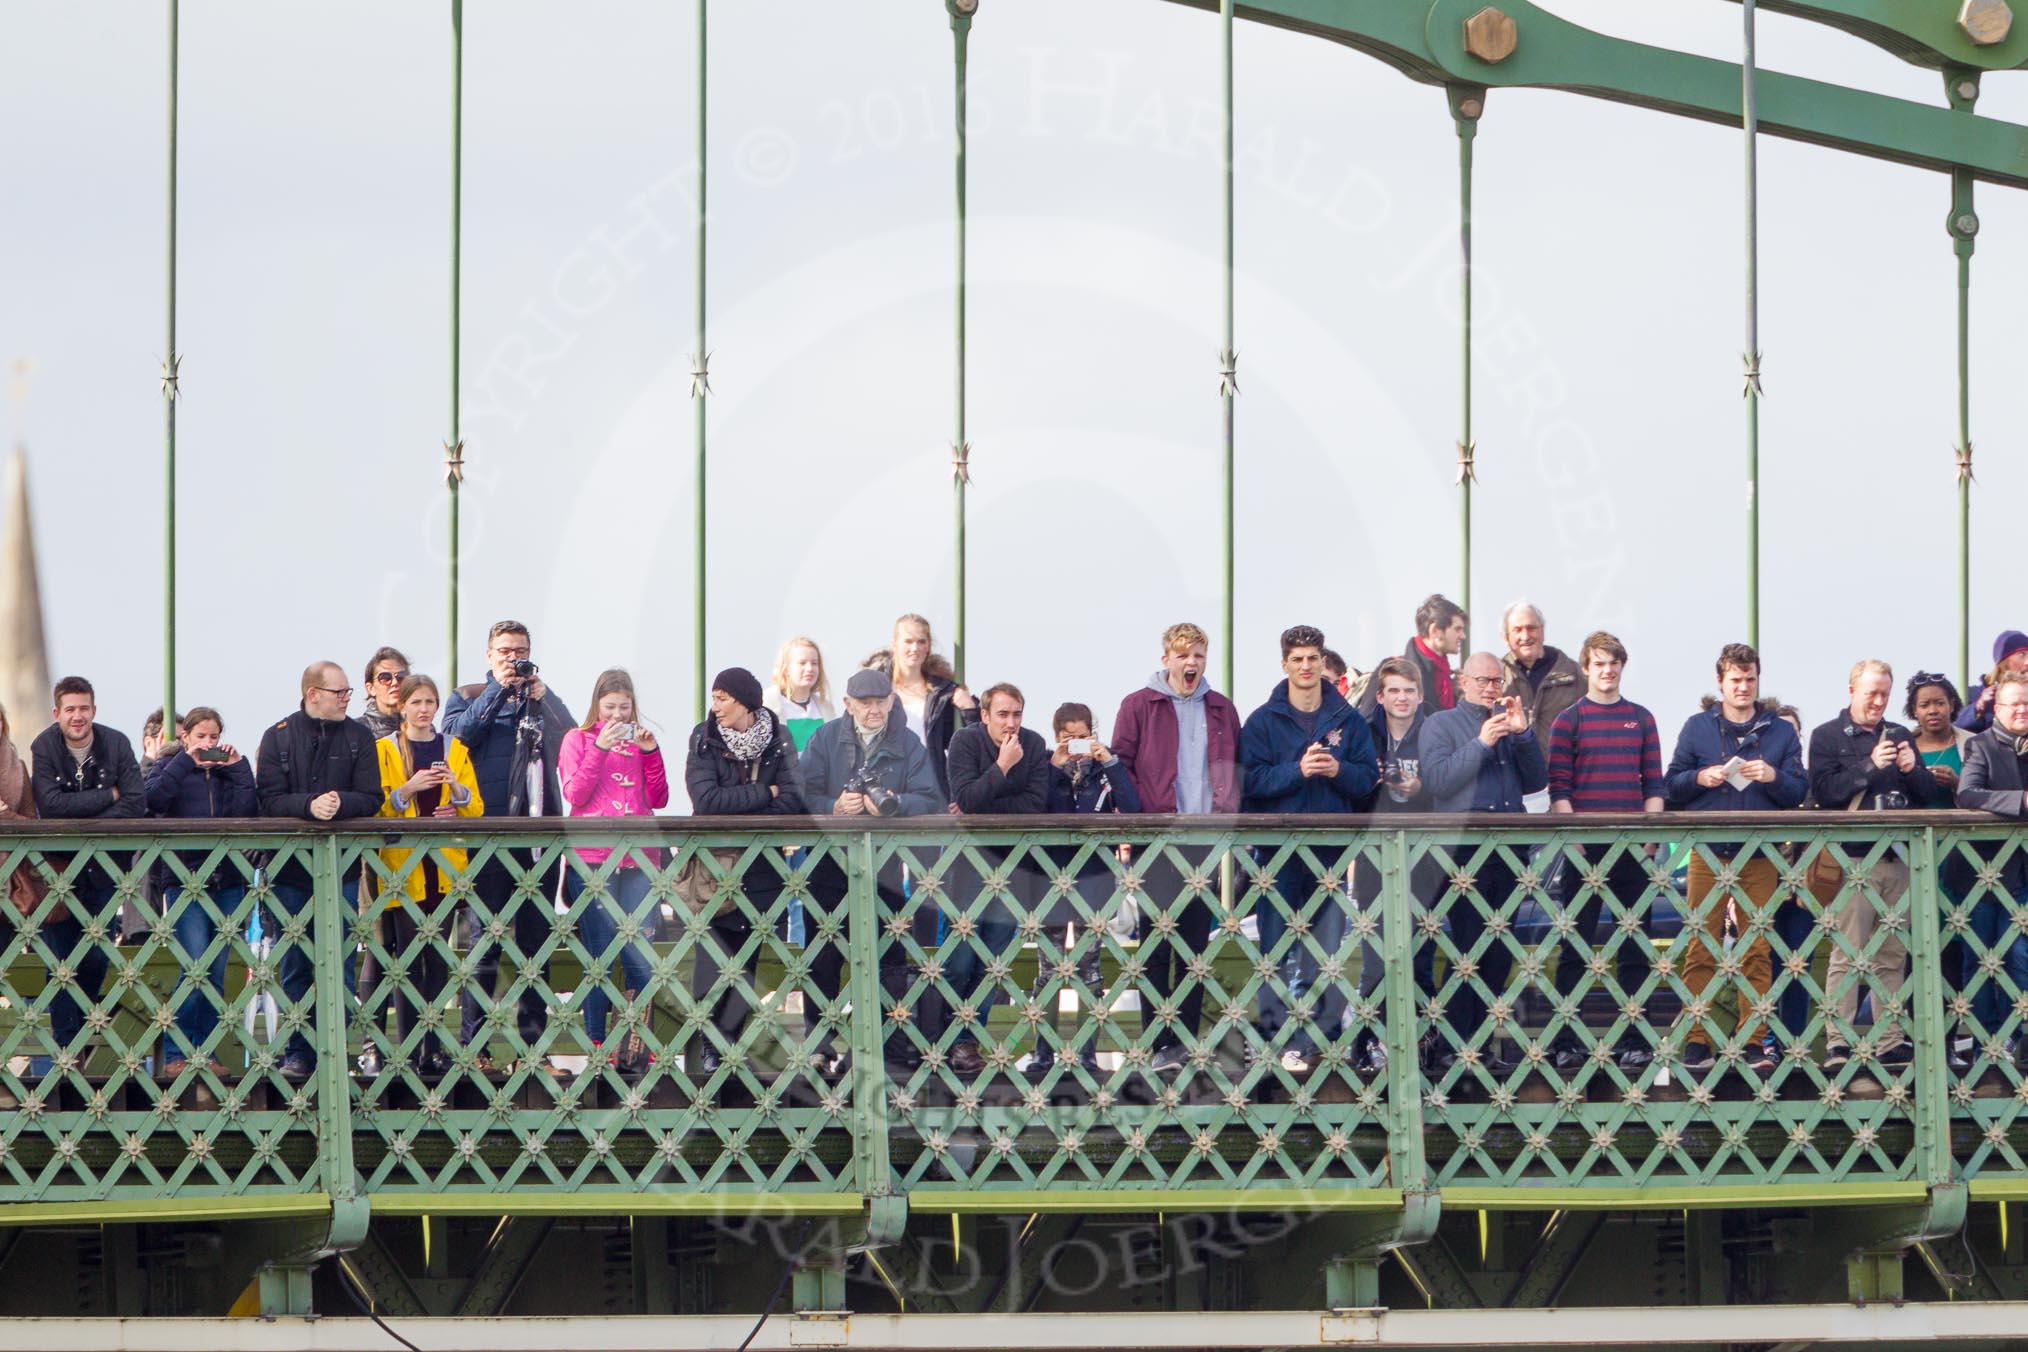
[[911, 708]]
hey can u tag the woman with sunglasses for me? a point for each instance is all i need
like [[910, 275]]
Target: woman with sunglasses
[[385, 671]]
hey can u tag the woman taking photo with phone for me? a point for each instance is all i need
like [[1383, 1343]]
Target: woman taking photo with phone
[[800, 694], [612, 767], [928, 701], [423, 773], [201, 777]]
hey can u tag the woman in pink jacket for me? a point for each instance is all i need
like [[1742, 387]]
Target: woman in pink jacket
[[612, 767]]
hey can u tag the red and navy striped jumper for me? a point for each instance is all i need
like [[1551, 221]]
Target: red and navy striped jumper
[[1605, 757]]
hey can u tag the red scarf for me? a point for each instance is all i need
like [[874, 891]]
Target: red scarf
[[1446, 693]]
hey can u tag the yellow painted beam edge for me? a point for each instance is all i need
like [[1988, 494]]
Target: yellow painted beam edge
[[145, 1210], [1010, 1201], [1682, 1198], [1999, 1189], [600, 1203]]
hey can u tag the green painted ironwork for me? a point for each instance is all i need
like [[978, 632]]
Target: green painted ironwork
[[700, 375], [454, 445], [961, 12], [1037, 940], [1750, 123], [1228, 356], [1961, 87], [170, 392], [1468, 104]]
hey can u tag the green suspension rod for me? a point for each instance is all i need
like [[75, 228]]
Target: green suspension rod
[[169, 395], [1964, 226], [700, 377], [961, 12], [454, 446], [1228, 357], [1467, 104], [1750, 116]]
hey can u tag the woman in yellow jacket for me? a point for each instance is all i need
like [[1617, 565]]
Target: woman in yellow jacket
[[423, 773]]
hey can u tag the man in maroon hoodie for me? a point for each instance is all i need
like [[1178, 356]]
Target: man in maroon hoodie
[[1179, 740]]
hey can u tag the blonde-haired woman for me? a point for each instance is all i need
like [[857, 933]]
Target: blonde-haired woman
[[800, 693], [927, 697], [423, 773]]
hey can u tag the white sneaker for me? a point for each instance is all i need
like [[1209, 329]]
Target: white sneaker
[[1297, 1063]]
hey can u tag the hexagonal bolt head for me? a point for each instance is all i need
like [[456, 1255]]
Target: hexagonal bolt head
[[1985, 22], [1490, 35]]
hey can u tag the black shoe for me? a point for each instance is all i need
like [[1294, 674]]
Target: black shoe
[[1836, 1054], [1696, 1057], [1959, 1062], [1634, 1060], [1765, 1058], [1900, 1054], [967, 1059], [708, 1062], [1568, 1058], [1369, 1058]]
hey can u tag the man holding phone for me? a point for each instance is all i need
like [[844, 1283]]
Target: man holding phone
[[1735, 756], [1306, 750], [1862, 762], [1481, 756]]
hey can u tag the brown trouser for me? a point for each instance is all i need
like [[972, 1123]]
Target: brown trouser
[[1758, 882]]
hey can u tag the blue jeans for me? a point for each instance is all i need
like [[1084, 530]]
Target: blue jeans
[[598, 927], [297, 970], [1298, 967], [1991, 923], [195, 929], [64, 934]]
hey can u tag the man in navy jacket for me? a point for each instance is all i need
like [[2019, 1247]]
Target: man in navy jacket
[[1735, 756], [1306, 750]]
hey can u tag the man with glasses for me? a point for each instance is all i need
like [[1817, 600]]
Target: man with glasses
[[315, 765], [1737, 755], [1995, 780], [513, 726], [1481, 756]]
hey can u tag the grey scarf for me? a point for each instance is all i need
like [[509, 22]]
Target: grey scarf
[[748, 745]]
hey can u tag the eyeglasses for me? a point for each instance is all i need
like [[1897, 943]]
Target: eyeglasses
[[389, 678], [1485, 680], [343, 692], [521, 651]]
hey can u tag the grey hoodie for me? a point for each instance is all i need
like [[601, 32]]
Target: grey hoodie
[[1193, 744]]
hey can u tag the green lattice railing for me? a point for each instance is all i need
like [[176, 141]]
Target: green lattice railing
[[1537, 1062]]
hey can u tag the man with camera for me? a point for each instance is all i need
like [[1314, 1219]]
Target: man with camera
[[1481, 756], [513, 725], [866, 763], [1861, 762], [315, 765]]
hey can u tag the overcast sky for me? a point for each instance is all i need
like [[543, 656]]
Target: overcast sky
[[314, 310]]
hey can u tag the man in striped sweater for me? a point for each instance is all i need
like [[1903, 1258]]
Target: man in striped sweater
[[1605, 755]]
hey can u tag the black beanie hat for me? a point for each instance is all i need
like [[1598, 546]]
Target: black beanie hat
[[741, 684]]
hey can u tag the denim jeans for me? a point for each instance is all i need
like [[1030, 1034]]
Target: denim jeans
[[296, 968], [196, 925], [65, 937], [1299, 965], [599, 926]]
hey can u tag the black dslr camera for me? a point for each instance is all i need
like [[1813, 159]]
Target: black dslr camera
[[880, 800], [525, 668]]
